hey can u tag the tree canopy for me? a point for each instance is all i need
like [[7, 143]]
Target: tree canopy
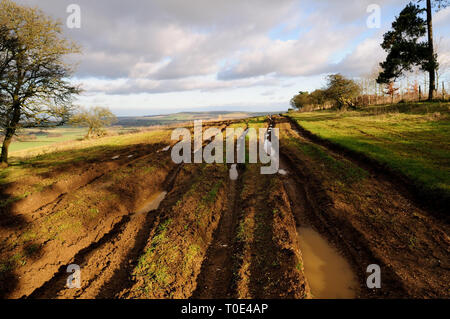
[[340, 91], [404, 46], [34, 86], [95, 119], [300, 100]]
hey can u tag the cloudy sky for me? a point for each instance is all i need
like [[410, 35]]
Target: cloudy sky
[[144, 57]]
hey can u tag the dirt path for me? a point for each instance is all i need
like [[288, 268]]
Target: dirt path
[[84, 217], [216, 276], [83, 175], [107, 263], [240, 239], [368, 219]]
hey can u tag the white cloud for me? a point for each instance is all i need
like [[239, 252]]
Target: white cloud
[[365, 58], [230, 50]]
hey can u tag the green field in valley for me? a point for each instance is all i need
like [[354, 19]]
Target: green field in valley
[[32, 138]]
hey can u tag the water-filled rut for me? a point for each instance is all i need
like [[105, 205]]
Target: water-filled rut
[[328, 273]]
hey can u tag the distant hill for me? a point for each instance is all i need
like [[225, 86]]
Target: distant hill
[[184, 117]]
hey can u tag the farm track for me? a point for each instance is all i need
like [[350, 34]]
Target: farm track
[[310, 203], [33, 204], [216, 277], [23, 282], [409, 270], [108, 262], [263, 260], [255, 251], [36, 206]]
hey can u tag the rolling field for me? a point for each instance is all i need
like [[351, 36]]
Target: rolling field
[[33, 138], [31, 141]]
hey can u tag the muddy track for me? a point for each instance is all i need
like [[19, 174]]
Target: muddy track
[[268, 258], [51, 253], [189, 250], [254, 252], [33, 205], [262, 261], [108, 262], [309, 203], [216, 277], [435, 203], [364, 242], [215, 280]]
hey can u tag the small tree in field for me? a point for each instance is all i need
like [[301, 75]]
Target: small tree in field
[[342, 91], [34, 90], [391, 90], [95, 119]]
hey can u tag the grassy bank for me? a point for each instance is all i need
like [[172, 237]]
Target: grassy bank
[[411, 139]]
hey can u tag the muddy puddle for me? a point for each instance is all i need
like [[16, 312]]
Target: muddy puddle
[[328, 273], [152, 204]]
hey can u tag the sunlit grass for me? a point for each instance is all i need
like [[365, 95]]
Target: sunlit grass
[[411, 139], [50, 157]]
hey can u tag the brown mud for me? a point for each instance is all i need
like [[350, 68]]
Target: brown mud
[[367, 219], [143, 227]]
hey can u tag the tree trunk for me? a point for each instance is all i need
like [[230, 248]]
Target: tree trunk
[[432, 70], [437, 83], [9, 132], [88, 135], [6, 142]]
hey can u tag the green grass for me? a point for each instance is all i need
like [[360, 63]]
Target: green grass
[[211, 196], [52, 157], [344, 171], [35, 139], [52, 136], [412, 139]]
